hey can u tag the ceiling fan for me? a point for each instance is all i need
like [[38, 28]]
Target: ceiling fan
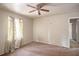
[[38, 8]]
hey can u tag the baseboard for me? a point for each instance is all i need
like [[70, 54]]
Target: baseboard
[[26, 44], [43, 42]]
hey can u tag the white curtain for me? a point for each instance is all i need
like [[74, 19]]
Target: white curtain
[[15, 33], [18, 36]]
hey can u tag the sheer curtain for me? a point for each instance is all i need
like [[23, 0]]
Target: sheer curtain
[[15, 33], [18, 30]]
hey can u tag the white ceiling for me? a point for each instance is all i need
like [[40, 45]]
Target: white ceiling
[[55, 8]]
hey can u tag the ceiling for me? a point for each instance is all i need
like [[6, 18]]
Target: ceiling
[[55, 8]]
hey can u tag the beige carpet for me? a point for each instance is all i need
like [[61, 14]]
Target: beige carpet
[[40, 49]]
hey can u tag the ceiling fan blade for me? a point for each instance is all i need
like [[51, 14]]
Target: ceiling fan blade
[[40, 5], [44, 10], [31, 6], [39, 12], [32, 11]]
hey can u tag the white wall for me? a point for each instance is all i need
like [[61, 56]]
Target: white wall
[[53, 29], [28, 28]]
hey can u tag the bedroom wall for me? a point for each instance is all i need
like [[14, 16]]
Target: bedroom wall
[[28, 28], [54, 29]]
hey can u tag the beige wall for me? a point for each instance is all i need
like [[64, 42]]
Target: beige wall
[[53, 29], [28, 28]]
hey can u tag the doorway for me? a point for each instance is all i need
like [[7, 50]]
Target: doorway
[[74, 41]]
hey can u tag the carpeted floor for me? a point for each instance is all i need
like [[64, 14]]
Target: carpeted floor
[[41, 49]]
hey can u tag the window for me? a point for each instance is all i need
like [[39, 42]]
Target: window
[[15, 30]]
